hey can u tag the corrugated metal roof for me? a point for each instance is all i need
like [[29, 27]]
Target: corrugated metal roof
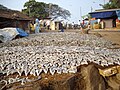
[[105, 10]]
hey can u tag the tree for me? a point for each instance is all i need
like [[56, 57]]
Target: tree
[[35, 9], [87, 16], [57, 12], [42, 10], [112, 4]]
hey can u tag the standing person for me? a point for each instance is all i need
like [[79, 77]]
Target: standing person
[[48, 24], [82, 26], [89, 25], [78, 25], [32, 29], [37, 26], [61, 27], [83, 22], [73, 25]]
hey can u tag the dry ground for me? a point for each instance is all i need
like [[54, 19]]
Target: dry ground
[[112, 35]]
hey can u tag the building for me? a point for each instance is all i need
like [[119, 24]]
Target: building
[[12, 18], [50, 24], [108, 16]]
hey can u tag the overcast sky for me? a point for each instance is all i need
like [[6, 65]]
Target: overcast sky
[[74, 6]]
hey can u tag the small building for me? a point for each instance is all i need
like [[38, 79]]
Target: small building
[[12, 18], [56, 25], [108, 16], [45, 23], [53, 24]]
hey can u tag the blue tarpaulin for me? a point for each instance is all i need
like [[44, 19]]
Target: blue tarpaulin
[[21, 32], [118, 14], [101, 15]]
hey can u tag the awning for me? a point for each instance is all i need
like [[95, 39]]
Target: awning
[[103, 15]]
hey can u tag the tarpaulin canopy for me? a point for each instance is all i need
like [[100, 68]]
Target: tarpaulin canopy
[[118, 14], [103, 15]]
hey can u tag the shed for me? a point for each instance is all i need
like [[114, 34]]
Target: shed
[[108, 16], [12, 18]]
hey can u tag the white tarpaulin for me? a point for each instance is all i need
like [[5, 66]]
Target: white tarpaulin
[[7, 34]]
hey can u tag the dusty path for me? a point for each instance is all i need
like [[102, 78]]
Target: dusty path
[[112, 35]]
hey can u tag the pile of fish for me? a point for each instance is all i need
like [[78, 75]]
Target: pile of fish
[[55, 53], [54, 59], [60, 39]]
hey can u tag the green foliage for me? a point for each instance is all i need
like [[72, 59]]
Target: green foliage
[[43, 10], [86, 16], [35, 9], [112, 4]]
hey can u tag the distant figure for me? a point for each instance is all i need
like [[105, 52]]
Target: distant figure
[[32, 29], [73, 25], [102, 24], [82, 25], [44, 24], [78, 24], [48, 24], [83, 22], [61, 27], [37, 26], [88, 25], [83, 30]]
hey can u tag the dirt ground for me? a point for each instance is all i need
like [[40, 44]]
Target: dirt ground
[[112, 35]]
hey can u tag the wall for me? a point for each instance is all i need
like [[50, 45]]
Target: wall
[[108, 23], [4, 22]]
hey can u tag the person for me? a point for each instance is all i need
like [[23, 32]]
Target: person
[[32, 29], [78, 25], [83, 22], [61, 27], [73, 25], [82, 26], [37, 26], [83, 30], [88, 25], [48, 24]]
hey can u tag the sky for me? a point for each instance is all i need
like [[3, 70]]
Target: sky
[[77, 8]]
